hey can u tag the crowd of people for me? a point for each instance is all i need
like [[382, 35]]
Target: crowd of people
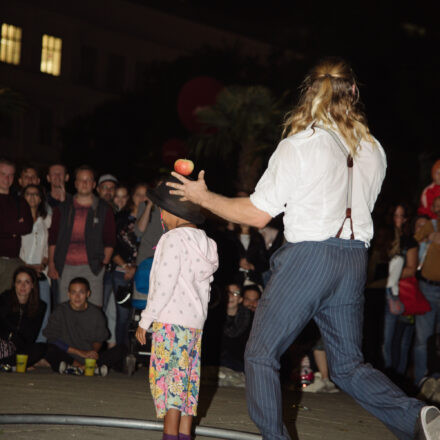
[[67, 261]]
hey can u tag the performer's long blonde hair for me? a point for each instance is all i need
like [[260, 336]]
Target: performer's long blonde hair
[[329, 95]]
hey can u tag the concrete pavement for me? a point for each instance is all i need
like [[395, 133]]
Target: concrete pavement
[[308, 416]]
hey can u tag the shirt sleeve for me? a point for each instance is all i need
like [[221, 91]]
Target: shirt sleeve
[[109, 232], [54, 227], [275, 186], [163, 279], [141, 210]]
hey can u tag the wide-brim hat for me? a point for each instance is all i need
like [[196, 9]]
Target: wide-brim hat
[[161, 197]]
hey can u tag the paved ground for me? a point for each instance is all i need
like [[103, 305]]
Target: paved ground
[[309, 416]]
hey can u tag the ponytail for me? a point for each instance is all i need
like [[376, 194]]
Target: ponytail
[[330, 96]]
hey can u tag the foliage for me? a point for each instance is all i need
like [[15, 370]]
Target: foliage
[[242, 128]]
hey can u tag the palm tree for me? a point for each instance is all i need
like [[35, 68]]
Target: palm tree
[[245, 124]]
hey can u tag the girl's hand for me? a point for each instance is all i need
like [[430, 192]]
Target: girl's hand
[[140, 335]]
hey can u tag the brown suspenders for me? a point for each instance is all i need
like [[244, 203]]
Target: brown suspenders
[[350, 179]]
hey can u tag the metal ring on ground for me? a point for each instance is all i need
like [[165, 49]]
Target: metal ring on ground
[[112, 422]]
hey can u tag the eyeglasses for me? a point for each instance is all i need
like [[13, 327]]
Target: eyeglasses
[[234, 292]]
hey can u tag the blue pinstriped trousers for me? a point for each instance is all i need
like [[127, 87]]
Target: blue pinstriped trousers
[[323, 281]]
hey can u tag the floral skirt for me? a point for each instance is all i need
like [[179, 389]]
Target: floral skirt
[[175, 368]]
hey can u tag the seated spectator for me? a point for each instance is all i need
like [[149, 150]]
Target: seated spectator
[[235, 330], [76, 331], [430, 193], [34, 247], [251, 296], [21, 316], [122, 195], [57, 176]]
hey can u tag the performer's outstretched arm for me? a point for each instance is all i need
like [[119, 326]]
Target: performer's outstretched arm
[[237, 209]]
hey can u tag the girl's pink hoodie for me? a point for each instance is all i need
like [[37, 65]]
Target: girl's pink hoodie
[[183, 267]]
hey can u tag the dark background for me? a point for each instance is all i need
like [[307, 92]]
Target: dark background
[[393, 48]]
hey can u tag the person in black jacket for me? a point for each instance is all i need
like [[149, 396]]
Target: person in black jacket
[[251, 255], [21, 316]]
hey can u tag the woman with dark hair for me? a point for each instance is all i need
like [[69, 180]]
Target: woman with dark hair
[[34, 246], [122, 196], [124, 258], [398, 329], [21, 316]]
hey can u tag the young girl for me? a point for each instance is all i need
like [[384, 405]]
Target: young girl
[[184, 262]]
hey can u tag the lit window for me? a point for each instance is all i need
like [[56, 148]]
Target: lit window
[[51, 55], [10, 45]]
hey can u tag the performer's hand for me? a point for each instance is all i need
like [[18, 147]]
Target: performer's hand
[[194, 191], [140, 335]]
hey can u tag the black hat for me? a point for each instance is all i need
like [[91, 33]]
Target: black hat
[[161, 197]]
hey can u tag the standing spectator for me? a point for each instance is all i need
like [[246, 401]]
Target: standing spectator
[[430, 286], [28, 176], [430, 192], [399, 330], [21, 317], [149, 228], [121, 197], [124, 257], [81, 237], [34, 246], [15, 221], [107, 187], [251, 255], [57, 177]]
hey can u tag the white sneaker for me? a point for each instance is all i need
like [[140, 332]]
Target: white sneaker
[[62, 367], [101, 371], [430, 423], [318, 386], [428, 388], [330, 387]]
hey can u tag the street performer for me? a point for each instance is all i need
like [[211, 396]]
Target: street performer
[[325, 176]]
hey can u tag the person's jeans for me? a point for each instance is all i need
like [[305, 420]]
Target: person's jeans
[[109, 306], [122, 312], [396, 342], [425, 329], [45, 297]]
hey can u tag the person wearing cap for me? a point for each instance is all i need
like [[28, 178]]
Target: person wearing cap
[[81, 238], [183, 267], [106, 188], [325, 177]]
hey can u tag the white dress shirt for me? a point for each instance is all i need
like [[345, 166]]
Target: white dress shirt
[[307, 179], [34, 246]]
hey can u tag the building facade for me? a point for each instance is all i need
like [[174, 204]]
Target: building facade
[[65, 58]]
